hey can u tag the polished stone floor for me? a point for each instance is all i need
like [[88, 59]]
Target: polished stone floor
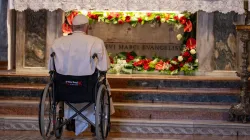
[[34, 135]]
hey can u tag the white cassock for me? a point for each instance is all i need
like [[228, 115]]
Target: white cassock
[[74, 57]]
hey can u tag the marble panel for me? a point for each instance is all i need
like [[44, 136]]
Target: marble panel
[[35, 45], [225, 51], [146, 39], [3, 31]]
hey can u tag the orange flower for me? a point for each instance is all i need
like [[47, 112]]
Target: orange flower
[[66, 28], [159, 65], [71, 17], [167, 16]]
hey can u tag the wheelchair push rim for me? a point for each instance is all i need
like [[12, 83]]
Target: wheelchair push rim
[[102, 113], [46, 112]]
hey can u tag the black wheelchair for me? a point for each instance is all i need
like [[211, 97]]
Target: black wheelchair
[[74, 89]]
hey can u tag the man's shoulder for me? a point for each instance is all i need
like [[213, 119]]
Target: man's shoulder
[[96, 39]]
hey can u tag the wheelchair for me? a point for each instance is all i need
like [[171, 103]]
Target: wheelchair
[[74, 89]]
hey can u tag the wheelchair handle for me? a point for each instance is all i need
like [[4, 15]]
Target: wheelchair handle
[[94, 56], [53, 54]]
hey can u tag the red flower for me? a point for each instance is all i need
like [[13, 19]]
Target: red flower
[[127, 19], [146, 61], [181, 64], [146, 66], [111, 60], [188, 26], [175, 59], [131, 57], [167, 16], [191, 43], [89, 14], [139, 20], [120, 21], [149, 14], [93, 17], [183, 20], [190, 59], [117, 15], [176, 17], [158, 18], [186, 54], [173, 68], [66, 28], [159, 65], [109, 17], [138, 63], [167, 62], [128, 60]]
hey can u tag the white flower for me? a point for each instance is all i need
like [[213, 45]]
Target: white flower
[[180, 15], [137, 15], [196, 61], [65, 34], [105, 14], [179, 36], [134, 19], [167, 66], [180, 58], [163, 20], [177, 27], [84, 12], [193, 51]]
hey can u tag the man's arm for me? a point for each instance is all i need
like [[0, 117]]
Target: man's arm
[[103, 62]]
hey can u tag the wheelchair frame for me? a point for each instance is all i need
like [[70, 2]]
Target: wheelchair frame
[[102, 115]]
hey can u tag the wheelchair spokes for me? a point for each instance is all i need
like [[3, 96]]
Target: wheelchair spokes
[[46, 112], [102, 113]]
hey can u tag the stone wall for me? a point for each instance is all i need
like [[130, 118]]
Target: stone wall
[[3, 31]]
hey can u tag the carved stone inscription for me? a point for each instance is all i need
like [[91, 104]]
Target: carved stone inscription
[[147, 49], [144, 39], [35, 38]]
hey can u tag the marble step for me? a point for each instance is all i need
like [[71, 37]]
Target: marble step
[[133, 110], [167, 95], [139, 81], [144, 126]]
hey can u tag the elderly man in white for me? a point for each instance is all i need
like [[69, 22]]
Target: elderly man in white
[[74, 57]]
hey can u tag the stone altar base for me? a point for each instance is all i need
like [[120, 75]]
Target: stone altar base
[[153, 104]]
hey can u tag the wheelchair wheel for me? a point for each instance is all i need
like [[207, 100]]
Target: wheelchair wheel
[[102, 115], [46, 112]]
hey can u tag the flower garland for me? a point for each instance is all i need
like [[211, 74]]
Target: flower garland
[[129, 62]]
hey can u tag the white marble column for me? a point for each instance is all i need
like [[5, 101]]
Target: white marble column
[[205, 41]]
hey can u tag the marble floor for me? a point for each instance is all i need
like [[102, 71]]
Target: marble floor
[[34, 135]]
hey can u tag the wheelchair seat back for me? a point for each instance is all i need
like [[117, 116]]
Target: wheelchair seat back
[[75, 89]]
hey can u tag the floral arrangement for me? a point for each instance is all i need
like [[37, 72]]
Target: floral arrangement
[[129, 62]]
